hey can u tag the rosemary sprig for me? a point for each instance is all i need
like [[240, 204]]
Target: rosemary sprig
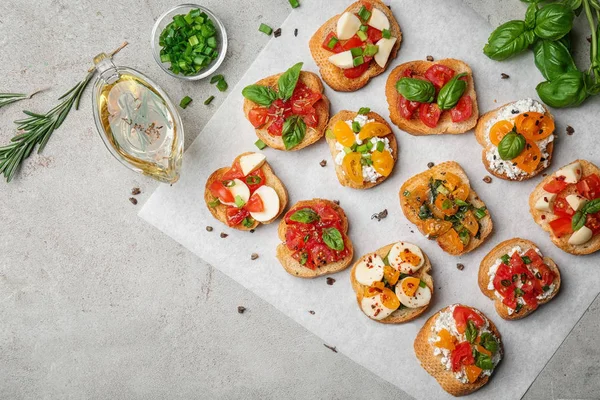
[[9, 98], [36, 129]]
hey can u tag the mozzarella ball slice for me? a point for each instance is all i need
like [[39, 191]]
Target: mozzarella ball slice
[[421, 298], [251, 162], [544, 203], [369, 270], [571, 172], [270, 201], [402, 253], [374, 308], [576, 201], [581, 236], [238, 188], [347, 25], [378, 20], [385, 48], [342, 60]]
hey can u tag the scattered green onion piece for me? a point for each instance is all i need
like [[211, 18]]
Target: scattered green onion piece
[[332, 42], [356, 51], [386, 34], [266, 29], [216, 78], [239, 202], [380, 146], [212, 42], [364, 14], [260, 144], [422, 284], [480, 212], [193, 40], [355, 126], [364, 28], [329, 134], [347, 150], [369, 145], [363, 36], [294, 3], [209, 100], [460, 202], [362, 148], [356, 61], [222, 85], [185, 102], [371, 50]]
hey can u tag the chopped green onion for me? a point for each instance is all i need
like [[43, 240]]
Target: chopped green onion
[[362, 148], [332, 42], [212, 42], [248, 222], [209, 100], [460, 202], [505, 258], [165, 58], [386, 34], [193, 40], [371, 50], [294, 3], [216, 78], [364, 28], [526, 260], [422, 284], [369, 145], [406, 193], [364, 110], [364, 14], [266, 29], [214, 203], [329, 134], [443, 190], [222, 85], [260, 144], [239, 202], [380, 146], [363, 36], [347, 150], [185, 102], [480, 212], [356, 51], [358, 61], [355, 126]]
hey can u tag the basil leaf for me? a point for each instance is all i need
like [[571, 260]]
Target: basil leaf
[[484, 361], [333, 238], [578, 221], [568, 90], [293, 132], [471, 332], [508, 39], [592, 207], [488, 342], [553, 59], [511, 145], [305, 215], [425, 212], [364, 110], [553, 21], [530, 15], [288, 80], [451, 92], [413, 89], [261, 95], [574, 4]]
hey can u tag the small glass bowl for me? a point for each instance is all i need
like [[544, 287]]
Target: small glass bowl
[[166, 18]]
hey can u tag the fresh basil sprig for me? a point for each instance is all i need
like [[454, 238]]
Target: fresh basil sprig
[[471, 332], [579, 218], [568, 90], [413, 89], [261, 95], [305, 215], [553, 59], [293, 132], [484, 361], [488, 342], [265, 95], [288, 80], [511, 145], [553, 21], [333, 239], [508, 39], [451, 92]]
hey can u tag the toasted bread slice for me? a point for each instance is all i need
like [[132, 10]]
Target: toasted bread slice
[[423, 179], [293, 267], [432, 364], [346, 115], [404, 314], [219, 211], [481, 134], [490, 259], [313, 82], [543, 219], [415, 126], [333, 75]]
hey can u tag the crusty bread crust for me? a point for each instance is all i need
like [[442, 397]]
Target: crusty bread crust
[[490, 259], [481, 135], [220, 211], [543, 218], [404, 314], [431, 363], [334, 76], [313, 82], [293, 267], [423, 179], [346, 115], [415, 126]]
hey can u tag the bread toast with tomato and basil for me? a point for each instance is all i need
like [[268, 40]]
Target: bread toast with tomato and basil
[[288, 121], [246, 194], [353, 35], [442, 204], [393, 284], [315, 242], [377, 152], [527, 121], [567, 199], [517, 278], [428, 112]]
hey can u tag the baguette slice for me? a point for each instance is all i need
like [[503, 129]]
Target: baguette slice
[[219, 211], [334, 76], [543, 219], [346, 115], [481, 135], [293, 267], [401, 315], [415, 126], [313, 82], [423, 178], [432, 364], [490, 259]]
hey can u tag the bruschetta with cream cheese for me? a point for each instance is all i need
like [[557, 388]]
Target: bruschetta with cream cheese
[[516, 276], [357, 45], [363, 148], [393, 284], [442, 204], [288, 111], [460, 347], [517, 139], [431, 98], [315, 239], [246, 194], [566, 204]]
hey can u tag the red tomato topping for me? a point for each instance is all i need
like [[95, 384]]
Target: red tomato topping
[[337, 48], [430, 113], [374, 35], [589, 187], [463, 109], [367, 5], [406, 107], [235, 172], [356, 72], [235, 215], [561, 226], [439, 75], [258, 116], [255, 204], [556, 185], [304, 99], [353, 42], [463, 314], [561, 208], [461, 355], [255, 180], [221, 192], [593, 222]]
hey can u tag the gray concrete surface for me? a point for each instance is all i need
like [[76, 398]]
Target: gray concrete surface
[[95, 303]]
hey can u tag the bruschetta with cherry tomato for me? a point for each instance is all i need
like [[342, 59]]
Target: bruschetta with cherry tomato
[[393, 284], [246, 194], [315, 242], [429, 98], [566, 204], [442, 204], [288, 111], [518, 278], [363, 147], [517, 139], [357, 45], [460, 347]]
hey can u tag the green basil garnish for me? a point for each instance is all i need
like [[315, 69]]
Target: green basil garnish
[[505, 258], [451, 92], [288, 80], [413, 89], [553, 21], [425, 212], [333, 239], [553, 59], [261, 95], [305, 215], [364, 110], [303, 258], [511, 145], [592, 207], [526, 260], [568, 91], [508, 39], [484, 361], [488, 342], [471, 332], [293, 132]]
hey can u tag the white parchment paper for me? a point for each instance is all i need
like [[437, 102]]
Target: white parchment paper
[[430, 27]]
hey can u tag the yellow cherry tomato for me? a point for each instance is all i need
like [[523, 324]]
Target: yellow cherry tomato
[[530, 157], [389, 299], [410, 285], [391, 275], [383, 162], [450, 242], [445, 205], [343, 134], [372, 129], [352, 167], [461, 192], [499, 130], [534, 125], [470, 222]]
